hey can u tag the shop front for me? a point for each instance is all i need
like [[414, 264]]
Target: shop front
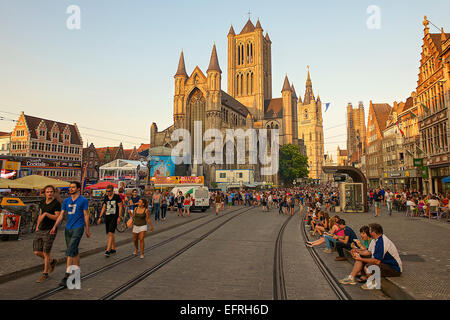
[[57, 169]]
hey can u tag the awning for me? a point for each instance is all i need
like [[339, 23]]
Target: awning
[[101, 185], [37, 182], [446, 180]]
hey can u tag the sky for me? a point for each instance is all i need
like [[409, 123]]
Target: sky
[[113, 77]]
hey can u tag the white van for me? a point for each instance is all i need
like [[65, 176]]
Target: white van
[[199, 195]]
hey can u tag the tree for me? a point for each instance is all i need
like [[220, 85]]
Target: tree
[[214, 185], [293, 164]]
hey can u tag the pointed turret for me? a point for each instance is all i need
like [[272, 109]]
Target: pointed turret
[[318, 98], [294, 94], [286, 85], [443, 36], [231, 32], [258, 25], [181, 67], [309, 95], [214, 61], [267, 37]]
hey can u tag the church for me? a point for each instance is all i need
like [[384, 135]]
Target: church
[[247, 103]]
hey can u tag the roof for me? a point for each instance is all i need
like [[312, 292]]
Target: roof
[[286, 85], [102, 152], [181, 71], [231, 30], [214, 61], [355, 157], [232, 103], [143, 147], [273, 108], [33, 123], [437, 40], [381, 112], [2, 134], [249, 27], [343, 153]]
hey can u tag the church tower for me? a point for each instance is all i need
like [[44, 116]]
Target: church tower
[[310, 129], [250, 67]]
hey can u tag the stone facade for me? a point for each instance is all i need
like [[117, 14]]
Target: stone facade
[[433, 107], [247, 104], [310, 126]]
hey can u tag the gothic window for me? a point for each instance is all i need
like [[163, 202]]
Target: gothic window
[[306, 114], [239, 55], [310, 136], [251, 52], [248, 81], [248, 53], [251, 81]]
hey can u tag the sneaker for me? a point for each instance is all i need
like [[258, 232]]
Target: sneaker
[[340, 259], [53, 265], [42, 278], [365, 287], [348, 280], [107, 253], [328, 251], [112, 251], [64, 281], [142, 256]]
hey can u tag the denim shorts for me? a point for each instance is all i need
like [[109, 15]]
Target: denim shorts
[[73, 237]]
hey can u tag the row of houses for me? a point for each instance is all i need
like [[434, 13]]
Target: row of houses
[[406, 144], [55, 149]]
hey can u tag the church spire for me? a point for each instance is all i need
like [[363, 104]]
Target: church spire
[[286, 85], [443, 35], [258, 25], [294, 94], [231, 32], [214, 61], [181, 67], [309, 94]]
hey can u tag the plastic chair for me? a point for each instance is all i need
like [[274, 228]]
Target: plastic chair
[[435, 210]]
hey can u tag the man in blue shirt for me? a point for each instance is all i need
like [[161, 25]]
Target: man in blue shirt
[[349, 236], [76, 207]]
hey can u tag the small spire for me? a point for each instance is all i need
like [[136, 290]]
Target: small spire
[[443, 35], [214, 61], [181, 71], [286, 85], [231, 32], [294, 94], [258, 25]]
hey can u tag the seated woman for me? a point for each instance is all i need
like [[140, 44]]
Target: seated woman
[[316, 218], [322, 226], [364, 250], [334, 230]]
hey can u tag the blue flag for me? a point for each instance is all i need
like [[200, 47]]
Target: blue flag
[[326, 106]]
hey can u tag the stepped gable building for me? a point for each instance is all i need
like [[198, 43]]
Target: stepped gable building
[[47, 139], [432, 98], [247, 103]]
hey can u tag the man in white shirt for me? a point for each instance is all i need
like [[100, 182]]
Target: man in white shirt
[[389, 199]]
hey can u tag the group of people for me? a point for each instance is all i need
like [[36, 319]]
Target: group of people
[[52, 211], [374, 248], [412, 200]]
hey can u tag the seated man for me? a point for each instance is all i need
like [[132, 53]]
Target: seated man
[[349, 236], [364, 250], [432, 203], [385, 255]]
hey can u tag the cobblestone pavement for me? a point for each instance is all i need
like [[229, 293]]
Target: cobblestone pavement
[[236, 261], [423, 246], [18, 255]]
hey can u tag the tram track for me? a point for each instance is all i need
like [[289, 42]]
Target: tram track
[[339, 291], [146, 273], [51, 292], [279, 285]]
